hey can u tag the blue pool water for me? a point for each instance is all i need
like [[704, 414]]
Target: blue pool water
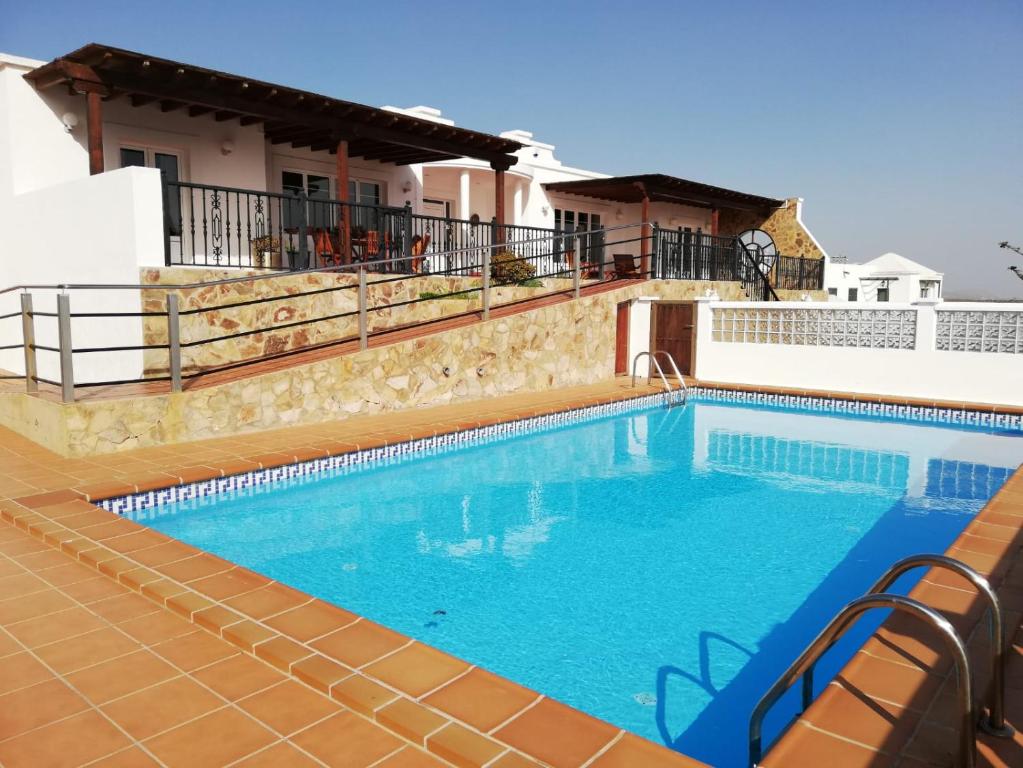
[[657, 569]]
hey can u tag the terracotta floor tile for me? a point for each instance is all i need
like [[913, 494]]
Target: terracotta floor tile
[[198, 649], [163, 554], [161, 707], [280, 652], [311, 620], [361, 694], [803, 747], [557, 734], [347, 740], [54, 626], [246, 634], [288, 707], [413, 721], [95, 589], [196, 567], [20, 670], [360, 643], [238, 676], [30, 606], [37, 705], [267, 601], [156, 627], [516, 760], [133, 757], [417, 669], [211, 741], [75, 653], [123, 607], [894, 683], [845, 711], [463, 747], [280, 755], [320, 672], [217, 618], [73, 741], [411, 757], [481, 699], [222, 586], [123, 675]]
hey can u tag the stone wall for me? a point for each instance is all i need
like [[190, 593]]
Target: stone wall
[[791, 238], [560, 345], [383, 292]]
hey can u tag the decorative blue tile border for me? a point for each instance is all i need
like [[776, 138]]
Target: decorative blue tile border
[[136, 504]]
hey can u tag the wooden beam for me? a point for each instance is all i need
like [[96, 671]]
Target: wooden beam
[[223, 115], [342, 195], [141, 101], [250, 120], [197, 111], [499, 201], [169, 105], [714, 219], [94, 130]]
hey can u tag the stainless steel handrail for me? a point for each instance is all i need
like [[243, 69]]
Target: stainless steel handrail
[[837, 627], [994, 723], [657, 365], [675, 370]]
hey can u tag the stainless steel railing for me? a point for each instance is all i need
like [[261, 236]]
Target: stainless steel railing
[[835, 629]]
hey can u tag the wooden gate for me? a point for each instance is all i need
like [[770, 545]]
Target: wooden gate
[[673, 333]]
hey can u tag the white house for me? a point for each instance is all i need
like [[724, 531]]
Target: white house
[[888, 278]]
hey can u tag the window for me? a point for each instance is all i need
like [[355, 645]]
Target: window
[[591, 246], [882, 291], [324, 188], [832, 291], [168, 163], [930, 289], [853, 294]]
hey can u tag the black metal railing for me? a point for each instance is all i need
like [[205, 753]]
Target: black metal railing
[[797, 273], [216, 226], [684, 254]]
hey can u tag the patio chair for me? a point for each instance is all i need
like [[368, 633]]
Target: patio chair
[[625, 266], [326, 246]]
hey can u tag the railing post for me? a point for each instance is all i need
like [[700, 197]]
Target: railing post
[[28, 339], [655, 236], [67, 373], [577, 270], [174, 342], [303, 246], [363, 311], [406, 238], [486, 281], [802, 274]]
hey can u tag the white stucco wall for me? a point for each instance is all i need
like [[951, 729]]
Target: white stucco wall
[[923, 372]]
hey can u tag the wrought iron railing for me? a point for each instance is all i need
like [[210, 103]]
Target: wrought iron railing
[[216, 226], [797, 273], [684, 254]]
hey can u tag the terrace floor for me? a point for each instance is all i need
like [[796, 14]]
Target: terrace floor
[[119, 646]]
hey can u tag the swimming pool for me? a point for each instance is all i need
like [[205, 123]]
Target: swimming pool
[[657, 568]]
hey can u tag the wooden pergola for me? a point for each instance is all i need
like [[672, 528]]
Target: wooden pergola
[[288, 115], [661, 188]]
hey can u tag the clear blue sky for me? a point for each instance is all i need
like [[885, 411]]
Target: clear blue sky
[[901, 123]]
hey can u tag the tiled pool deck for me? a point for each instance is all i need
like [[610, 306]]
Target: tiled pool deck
[[120, 646]]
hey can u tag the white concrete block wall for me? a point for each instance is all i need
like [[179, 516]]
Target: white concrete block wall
[[923, 372]]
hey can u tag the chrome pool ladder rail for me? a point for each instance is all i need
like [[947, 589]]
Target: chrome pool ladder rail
[[675, 370], [660, 372], [830, 635], [994, 722]]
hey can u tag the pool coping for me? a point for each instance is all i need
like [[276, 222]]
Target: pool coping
[[232, 602]]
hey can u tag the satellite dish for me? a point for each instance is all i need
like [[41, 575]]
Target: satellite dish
[[761, 247]]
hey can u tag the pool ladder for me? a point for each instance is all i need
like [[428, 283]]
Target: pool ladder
[[668, 391], [993, 723]]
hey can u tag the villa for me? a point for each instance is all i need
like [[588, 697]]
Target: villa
[[334, 434]]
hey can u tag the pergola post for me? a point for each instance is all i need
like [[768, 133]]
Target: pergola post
[[714, 216], [94, 130], [342, 195], [499, 200], [646, 234]]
